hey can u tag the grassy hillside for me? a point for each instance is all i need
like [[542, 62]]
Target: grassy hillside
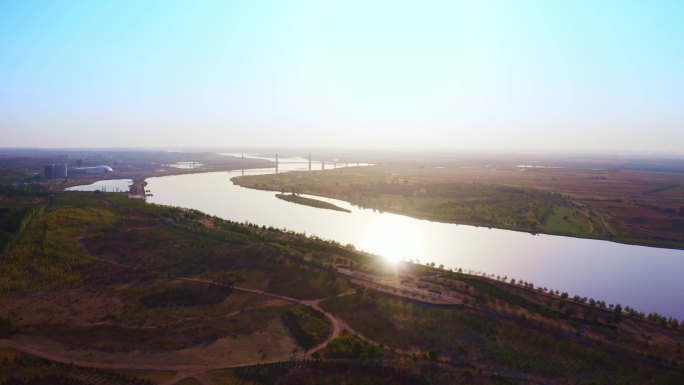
[[101, 271], [104, 278]]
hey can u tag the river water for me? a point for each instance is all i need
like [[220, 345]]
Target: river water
[[646, 278], [107, 185]]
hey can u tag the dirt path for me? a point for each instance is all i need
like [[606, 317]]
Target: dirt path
[[338, 325], [199, 375], [198, 372], [194, 371]]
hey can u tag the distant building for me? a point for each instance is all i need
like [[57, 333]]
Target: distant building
[[53, 171], [79, 162], [59, 170], [102, 169]]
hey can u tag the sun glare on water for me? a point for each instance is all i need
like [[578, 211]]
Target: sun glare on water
[[395, 241]]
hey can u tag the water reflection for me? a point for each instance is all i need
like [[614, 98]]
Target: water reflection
[[647, 279], [108, 185]]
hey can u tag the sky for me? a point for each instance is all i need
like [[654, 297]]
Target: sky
[[576, 75]]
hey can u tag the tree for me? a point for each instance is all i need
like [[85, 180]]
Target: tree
[[6, 328], [433, 354], [225, 279], [674, 324]]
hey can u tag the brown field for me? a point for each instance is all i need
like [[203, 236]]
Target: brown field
[[625, 205]]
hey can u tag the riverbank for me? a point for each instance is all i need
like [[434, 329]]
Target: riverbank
[[137, 189], [553, 261], [430, 195], [154, 263]]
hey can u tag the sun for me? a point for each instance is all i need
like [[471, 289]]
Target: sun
[[394, 241]]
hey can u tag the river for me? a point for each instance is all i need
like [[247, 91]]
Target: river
[[645, 278]]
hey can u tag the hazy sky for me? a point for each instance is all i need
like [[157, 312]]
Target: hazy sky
[[472, 74]]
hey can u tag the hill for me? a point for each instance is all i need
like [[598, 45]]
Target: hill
[[112, 283]]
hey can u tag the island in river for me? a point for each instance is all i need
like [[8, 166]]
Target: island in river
[[298, 199]]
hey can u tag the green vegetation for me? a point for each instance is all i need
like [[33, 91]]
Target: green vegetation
[[350, 346], [310, 202], [470, 336], [13, 222], [371, 372], [48, 253], [298, 333], [162, 330], [619, 205], [103, 273], [310, 282], [20, 369], [308, 327], [488, 289], [18, 206], [189, 381], [155, 376], [185, 295], [129, 255], [6, 328], [319, 373], [510, 207]]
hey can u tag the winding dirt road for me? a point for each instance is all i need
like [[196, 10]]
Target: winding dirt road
[[338, 326], [198, 372]]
